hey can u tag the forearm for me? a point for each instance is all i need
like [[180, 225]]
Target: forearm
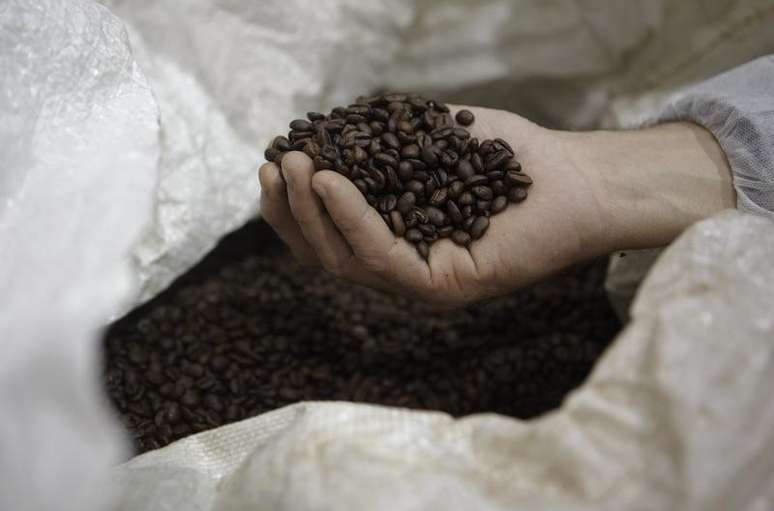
[[653, 183]]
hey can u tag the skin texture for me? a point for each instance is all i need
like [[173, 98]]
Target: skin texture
[[593, 193]]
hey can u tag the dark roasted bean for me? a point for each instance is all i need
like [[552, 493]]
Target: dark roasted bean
[[479, 227], [461, 238], [465, 117]]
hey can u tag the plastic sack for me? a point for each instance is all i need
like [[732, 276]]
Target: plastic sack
[[676, 415], [78, 150], [228, 76]]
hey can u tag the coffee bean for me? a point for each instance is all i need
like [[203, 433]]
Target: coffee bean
[[172, 415], [387, 203], [315, 116], [415, 187], [414, 235], [497, 160], [456, 189], [461, 238], [301, 125], [429, 157], [190, 397], [476, 180], [391, 140], [466, 199], [482, 192], [465, 117], [498, 187], [398, 226], [454, 212], [445, 231], [281, 144], [405, 171], [517, 194], [439, 197], [518, 179], [410, 151], [479, 227], [406, 201], [435, 215], [501, 144], [465, 170], [499, 203]]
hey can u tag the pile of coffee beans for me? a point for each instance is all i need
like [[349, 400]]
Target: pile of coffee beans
[[429, 178], [249, 331]]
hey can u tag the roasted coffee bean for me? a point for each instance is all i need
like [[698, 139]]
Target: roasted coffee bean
[[315, 116], [461, 238], [445, 231], [387, 203], [468, 222], [513, 165], [501, 144], [454, 212], [517, 179], [456, 189], [466, 199], [405, 171], [498, 187], [426, 230], [483, 206], [476, 180], [281, 144], [482, 192], [428, 156], [465, 117], [416, 187], [497, 160], [517, 194], [414, 235], [499, 203], [465, 170], [390, 140], [406, 202], [398, 225], [410, 151], [439, 197], [435, 215], [479, 227], [311, 149], [301, 125]]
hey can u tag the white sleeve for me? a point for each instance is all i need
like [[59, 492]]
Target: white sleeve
[[738, 108]]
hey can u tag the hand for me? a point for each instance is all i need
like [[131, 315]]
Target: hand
[[566, 218]]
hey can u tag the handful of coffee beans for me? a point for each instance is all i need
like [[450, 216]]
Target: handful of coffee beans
[[428, 177]]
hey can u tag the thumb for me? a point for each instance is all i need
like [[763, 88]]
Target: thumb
[[372, 242]]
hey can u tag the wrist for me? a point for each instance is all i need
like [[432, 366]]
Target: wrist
[[652, 184]]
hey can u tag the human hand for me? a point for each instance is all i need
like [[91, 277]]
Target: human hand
[[325, 220]]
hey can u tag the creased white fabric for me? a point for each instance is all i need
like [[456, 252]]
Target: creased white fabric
[[738, 108]]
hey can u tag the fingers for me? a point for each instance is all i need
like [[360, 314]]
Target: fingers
[[275, 209], [310, 215], [372, 242]]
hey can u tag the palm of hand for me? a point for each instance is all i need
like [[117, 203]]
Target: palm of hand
[[529, 240], [325, 219]]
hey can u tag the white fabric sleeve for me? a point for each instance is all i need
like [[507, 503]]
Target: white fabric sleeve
[[737, 107]]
